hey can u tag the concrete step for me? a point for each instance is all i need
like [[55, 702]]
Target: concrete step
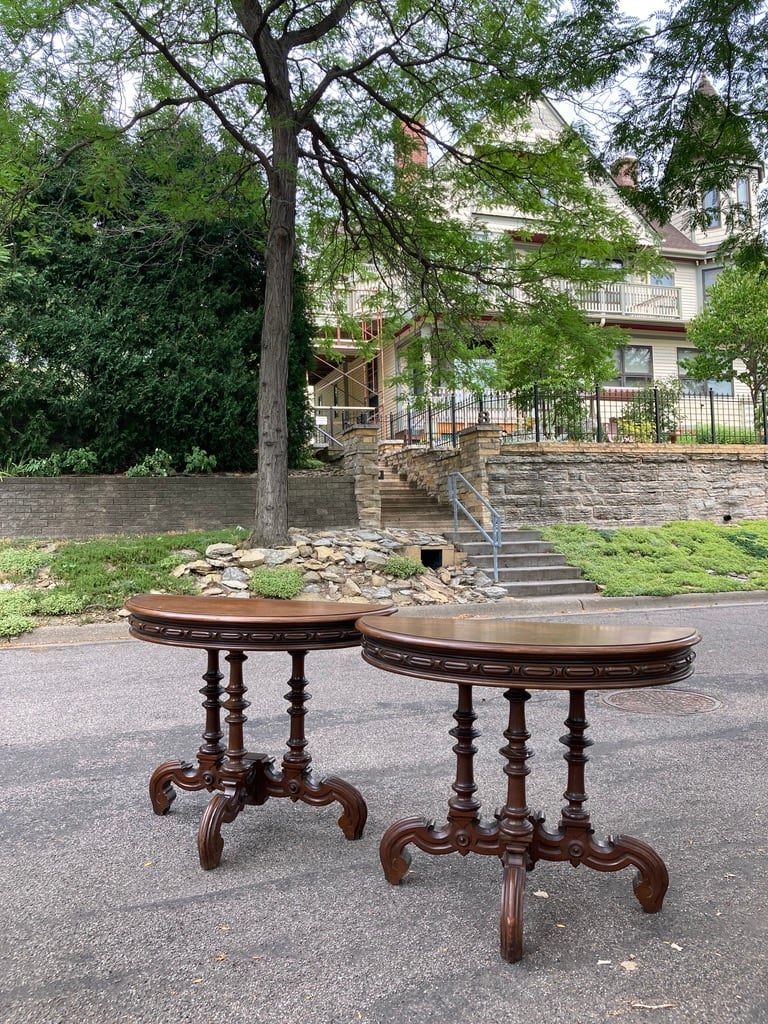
[[528, 567], [508, 535], [524, 563], [481, 548], [553, 589]]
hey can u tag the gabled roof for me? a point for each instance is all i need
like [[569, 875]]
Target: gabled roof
[[674, 242]]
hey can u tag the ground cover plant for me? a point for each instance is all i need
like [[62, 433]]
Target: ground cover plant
[[40, 579], [677, 558]]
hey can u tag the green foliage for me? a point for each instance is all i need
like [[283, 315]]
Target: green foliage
[[698, 139], [654, 408], [733, 325], [678, 558], [17, 564], [563, 351], [402, 567], [79, 460], [158, 463], [725, 435], [198, 461], [281, 581], [131, 310], [61, 601], [95, 574]]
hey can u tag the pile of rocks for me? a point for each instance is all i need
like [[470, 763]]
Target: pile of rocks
[[345, 565]]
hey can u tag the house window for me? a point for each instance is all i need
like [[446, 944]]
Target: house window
[[708, 277], [743, 197], [665, 279], [692, 386], [634, 366], [712, 208]]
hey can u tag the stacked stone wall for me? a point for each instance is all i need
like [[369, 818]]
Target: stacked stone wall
[[610, 484], [640, 485], [74, 506]]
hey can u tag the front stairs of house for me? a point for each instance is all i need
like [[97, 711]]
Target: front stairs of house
[[528, 567]]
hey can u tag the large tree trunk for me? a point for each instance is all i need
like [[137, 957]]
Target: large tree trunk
[[271, 526]]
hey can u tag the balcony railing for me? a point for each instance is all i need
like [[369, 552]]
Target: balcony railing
[[640, 301]]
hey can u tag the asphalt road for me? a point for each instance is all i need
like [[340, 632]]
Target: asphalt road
[[106, 915]]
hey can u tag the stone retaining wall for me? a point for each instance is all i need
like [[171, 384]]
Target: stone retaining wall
[[628, 485], [85, 506], [606, 484]]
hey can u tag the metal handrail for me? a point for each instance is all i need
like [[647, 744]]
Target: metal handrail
[[322, 436], [494, 537]]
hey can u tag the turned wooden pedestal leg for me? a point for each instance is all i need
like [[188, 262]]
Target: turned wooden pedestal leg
[[240, 774], [182, 773], [295, 781], [464, 831], [573, 840], [515, 828]]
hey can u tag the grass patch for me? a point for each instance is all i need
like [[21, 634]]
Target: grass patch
[[95, 575], [678, 558], [280, 581]]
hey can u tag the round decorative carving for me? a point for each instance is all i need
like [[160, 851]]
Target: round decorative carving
[[554, 669]]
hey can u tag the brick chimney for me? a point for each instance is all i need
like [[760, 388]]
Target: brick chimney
[[411, 150], [624, 171]]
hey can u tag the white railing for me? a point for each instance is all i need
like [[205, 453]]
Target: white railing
[[647, 301]]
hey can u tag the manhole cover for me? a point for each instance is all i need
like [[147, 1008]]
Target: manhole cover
[[661, 701]]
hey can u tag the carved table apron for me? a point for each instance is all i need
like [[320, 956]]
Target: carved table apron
[[523, 656], [237, 625]]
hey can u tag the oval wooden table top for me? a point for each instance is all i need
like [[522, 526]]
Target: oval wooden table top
[[535, 655], [248, 623]]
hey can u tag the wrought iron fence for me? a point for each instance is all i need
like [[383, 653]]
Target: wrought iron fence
[[656, 414]]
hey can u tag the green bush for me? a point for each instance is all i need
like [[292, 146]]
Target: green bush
[[284, 581], [726, 435], [199, 461], [159, 463], [79, 460], [402, 567]]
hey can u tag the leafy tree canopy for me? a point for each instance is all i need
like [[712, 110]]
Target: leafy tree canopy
[[315, 94], [695, 111], [733, 326], [131, 306]]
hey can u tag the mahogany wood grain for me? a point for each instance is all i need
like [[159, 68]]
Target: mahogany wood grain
[[235, 776], [521, 656]]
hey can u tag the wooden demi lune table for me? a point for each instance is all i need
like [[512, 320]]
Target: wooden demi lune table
[[520, 657], [237, 777]]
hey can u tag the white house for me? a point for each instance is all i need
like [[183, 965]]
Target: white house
[[653, 310]]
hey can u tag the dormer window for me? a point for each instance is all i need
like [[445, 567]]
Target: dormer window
[[743, 199], [712, 208]]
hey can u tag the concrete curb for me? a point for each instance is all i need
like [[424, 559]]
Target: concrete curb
[[508, 608]]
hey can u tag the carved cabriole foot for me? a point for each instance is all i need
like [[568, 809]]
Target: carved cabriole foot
[[222, 809], [295, 780], [182, 773], [512, 892], [464, 838], [574, 840], [464, 831], [247, 787], [300, 786], [614, 854], [176, 773]]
